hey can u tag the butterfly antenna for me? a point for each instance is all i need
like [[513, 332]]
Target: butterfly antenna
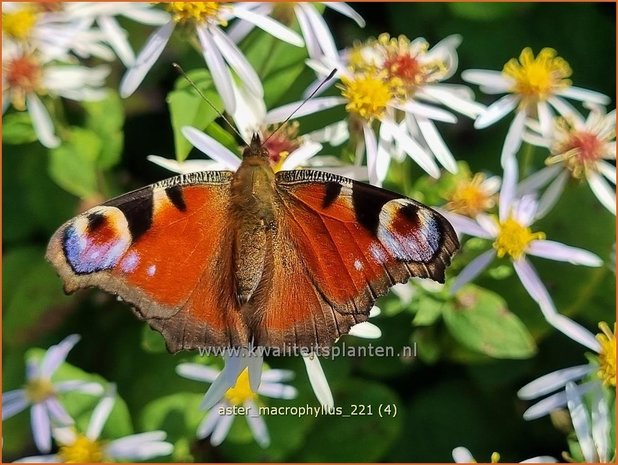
[[201, 94], [315, 91]]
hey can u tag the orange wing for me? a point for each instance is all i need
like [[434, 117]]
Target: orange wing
[[338, 246], [162, 248]]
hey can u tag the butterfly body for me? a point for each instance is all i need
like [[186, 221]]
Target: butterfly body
[[222, 259]]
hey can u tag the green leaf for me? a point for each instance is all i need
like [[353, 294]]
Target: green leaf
[[106, 118], [32, 294], [188, 108], [17, 129], [364, 435], [480, 321], [428, 310], [73, 165], [152, 341]]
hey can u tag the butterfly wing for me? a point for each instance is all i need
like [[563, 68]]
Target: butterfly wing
[[338, 246], [163, 249]]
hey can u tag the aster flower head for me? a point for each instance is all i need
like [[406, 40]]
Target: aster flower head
[[40, 393], [77, 447], [221, 54], [463, 455], [473, 195], [536, 87], [242, 392], [580, 149], [599, 374]]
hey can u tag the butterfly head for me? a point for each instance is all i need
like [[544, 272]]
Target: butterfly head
[[255, 149]]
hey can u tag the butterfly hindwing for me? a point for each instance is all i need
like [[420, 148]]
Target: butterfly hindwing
[[162, 248], [340, 245]]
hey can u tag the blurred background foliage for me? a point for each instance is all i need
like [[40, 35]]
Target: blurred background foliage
[[460, 390]]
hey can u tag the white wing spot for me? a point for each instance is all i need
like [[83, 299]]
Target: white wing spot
[[377, 253], [358, 265], [152, 269]]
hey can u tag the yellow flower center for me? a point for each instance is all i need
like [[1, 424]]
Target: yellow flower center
[[538, 78], [281, 144], [607, 354], [196, 12], [367, 95], [469, 198], [83, 450], [241, 392], [19, 23], [513, 238], [39, 389]]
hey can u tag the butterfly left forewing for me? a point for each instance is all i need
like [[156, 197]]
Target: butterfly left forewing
[[340, 245]]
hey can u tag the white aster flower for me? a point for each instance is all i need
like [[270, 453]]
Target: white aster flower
[[318, 38], [536, 87], [392, 88], [242, 393], [513, 238], [463, 455], [75, 447], [220, 53], [597, 373], [287, 149], [40, 393], [579, 149], [25, 76]]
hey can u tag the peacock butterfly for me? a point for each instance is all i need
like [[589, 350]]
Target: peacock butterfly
[[222, 259]]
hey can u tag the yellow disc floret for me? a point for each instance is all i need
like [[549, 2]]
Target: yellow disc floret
[[82, 450], [18, 24], [196, 12], [536, 79], [367, 95], [607, 354], [241, 392], [469, 197], [513, 239], [39, 389]]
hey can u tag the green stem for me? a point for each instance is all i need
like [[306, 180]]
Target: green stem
[[527, 160]]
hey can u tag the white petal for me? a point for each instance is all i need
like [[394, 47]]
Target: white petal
[[600, 423], [545, 406], [311, 39], [40, 459], [365, 330], [146, 59], [465, 225], [371, 147], [347, 10], [187, 166], [540, 459], [489, 224], [41, 428], [221, 429], [301, 155], [84, 387], [545, 119], [41, 122], [553, 381], [603, 191], [318, 381], [462, 455], [226, 379], [575, 331], [255, 365], [57, 412], [211, 147], [57, 354], [436, 144], [513, 139], [565, 109], [142, 446], [101, 413], [221, 76], [473, 269], [584, 95], [117, 38], [335, 134], [452, 100], [320, 30], [535, 287], [314, 105], [550, 197], [607, 169], [565, 253], [278, 391], [496, 111], [414, 150], [237, 61], [269, 25], [508, 190], [146, 15], [538, 180], [484, 77], [257, 425], [197, 372], [428, 111], [13, 402], [383, 159], [525, 209], [250, 112], [581, 423], [276, 375], [207, 425]]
